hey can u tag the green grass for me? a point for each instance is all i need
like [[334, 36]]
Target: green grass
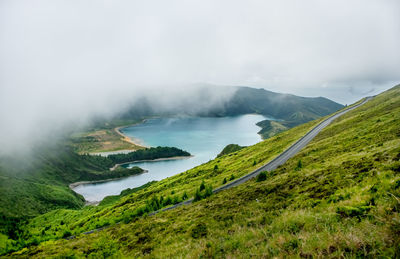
[[341, 200], [102, 137], [229, 166], [271, 128], [231, 148]]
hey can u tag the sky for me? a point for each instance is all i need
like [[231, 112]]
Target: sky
[[64, 61]]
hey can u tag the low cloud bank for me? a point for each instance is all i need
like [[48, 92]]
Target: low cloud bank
[[64, 62]]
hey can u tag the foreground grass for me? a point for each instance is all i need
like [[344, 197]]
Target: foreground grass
[[340, 196]]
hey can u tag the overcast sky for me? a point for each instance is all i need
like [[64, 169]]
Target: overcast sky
[[72, 58]]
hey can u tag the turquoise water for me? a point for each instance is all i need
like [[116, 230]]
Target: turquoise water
[[204, 138]]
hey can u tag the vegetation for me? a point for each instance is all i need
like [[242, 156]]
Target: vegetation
[[38, 183], [103, 140], [262, 177], [113, 198], [231, 148], [338, 197], [290, 110], [280, 106], [203, 192], [48, 227], [271, 128], [148, 154]]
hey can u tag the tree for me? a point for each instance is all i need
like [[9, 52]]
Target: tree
[[202, 185], [197, 195], [299, 165], [184, 196]]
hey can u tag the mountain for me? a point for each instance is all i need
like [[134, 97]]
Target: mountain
[[286, 107], [338, 197], [288, 110]]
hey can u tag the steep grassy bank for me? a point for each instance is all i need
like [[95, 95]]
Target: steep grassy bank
[[340, 196]]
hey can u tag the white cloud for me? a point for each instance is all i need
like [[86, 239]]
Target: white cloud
[[63, 61]]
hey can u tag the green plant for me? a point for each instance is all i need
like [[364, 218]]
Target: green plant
[[262, 177]]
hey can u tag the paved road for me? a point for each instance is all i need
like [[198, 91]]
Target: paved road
[[279, 160]]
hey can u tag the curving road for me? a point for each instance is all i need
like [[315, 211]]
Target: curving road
[[280, 159]]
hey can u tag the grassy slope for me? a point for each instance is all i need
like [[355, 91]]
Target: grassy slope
[[103, 140], [343, 200], [231, 148], [38, 183], [271, 128], [48, 226]]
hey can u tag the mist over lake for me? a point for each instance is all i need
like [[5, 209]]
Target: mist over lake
[[203, 137]]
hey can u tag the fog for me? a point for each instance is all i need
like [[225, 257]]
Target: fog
[[63, 62]]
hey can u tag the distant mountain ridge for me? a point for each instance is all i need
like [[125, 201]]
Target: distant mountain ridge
[[280, 106], [288, 109]]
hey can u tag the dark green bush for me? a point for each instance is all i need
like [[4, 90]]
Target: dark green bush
[[262, 177], [200, 230]]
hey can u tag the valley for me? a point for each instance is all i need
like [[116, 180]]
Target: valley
[[339, 200], [132, 205]]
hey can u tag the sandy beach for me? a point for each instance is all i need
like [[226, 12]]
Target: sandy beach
[[126, 138]]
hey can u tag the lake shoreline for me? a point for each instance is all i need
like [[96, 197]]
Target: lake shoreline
[[205, 136], [152, 160], [124, 138], [128, 139], [76, 184]]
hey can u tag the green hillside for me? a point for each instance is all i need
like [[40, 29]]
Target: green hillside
[[290, 110], [339, 197], [36, 183], [287, 107]]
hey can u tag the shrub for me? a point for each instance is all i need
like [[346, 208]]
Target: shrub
[[349, 211], [184, 196], [262, 177], [232, 177], [209, 191], [66, 233], [291, 245], [202, 192], [200, 230], [197, 195], [224, 181], [167, 201], [299, 165], [202, 186], [176, 200]]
